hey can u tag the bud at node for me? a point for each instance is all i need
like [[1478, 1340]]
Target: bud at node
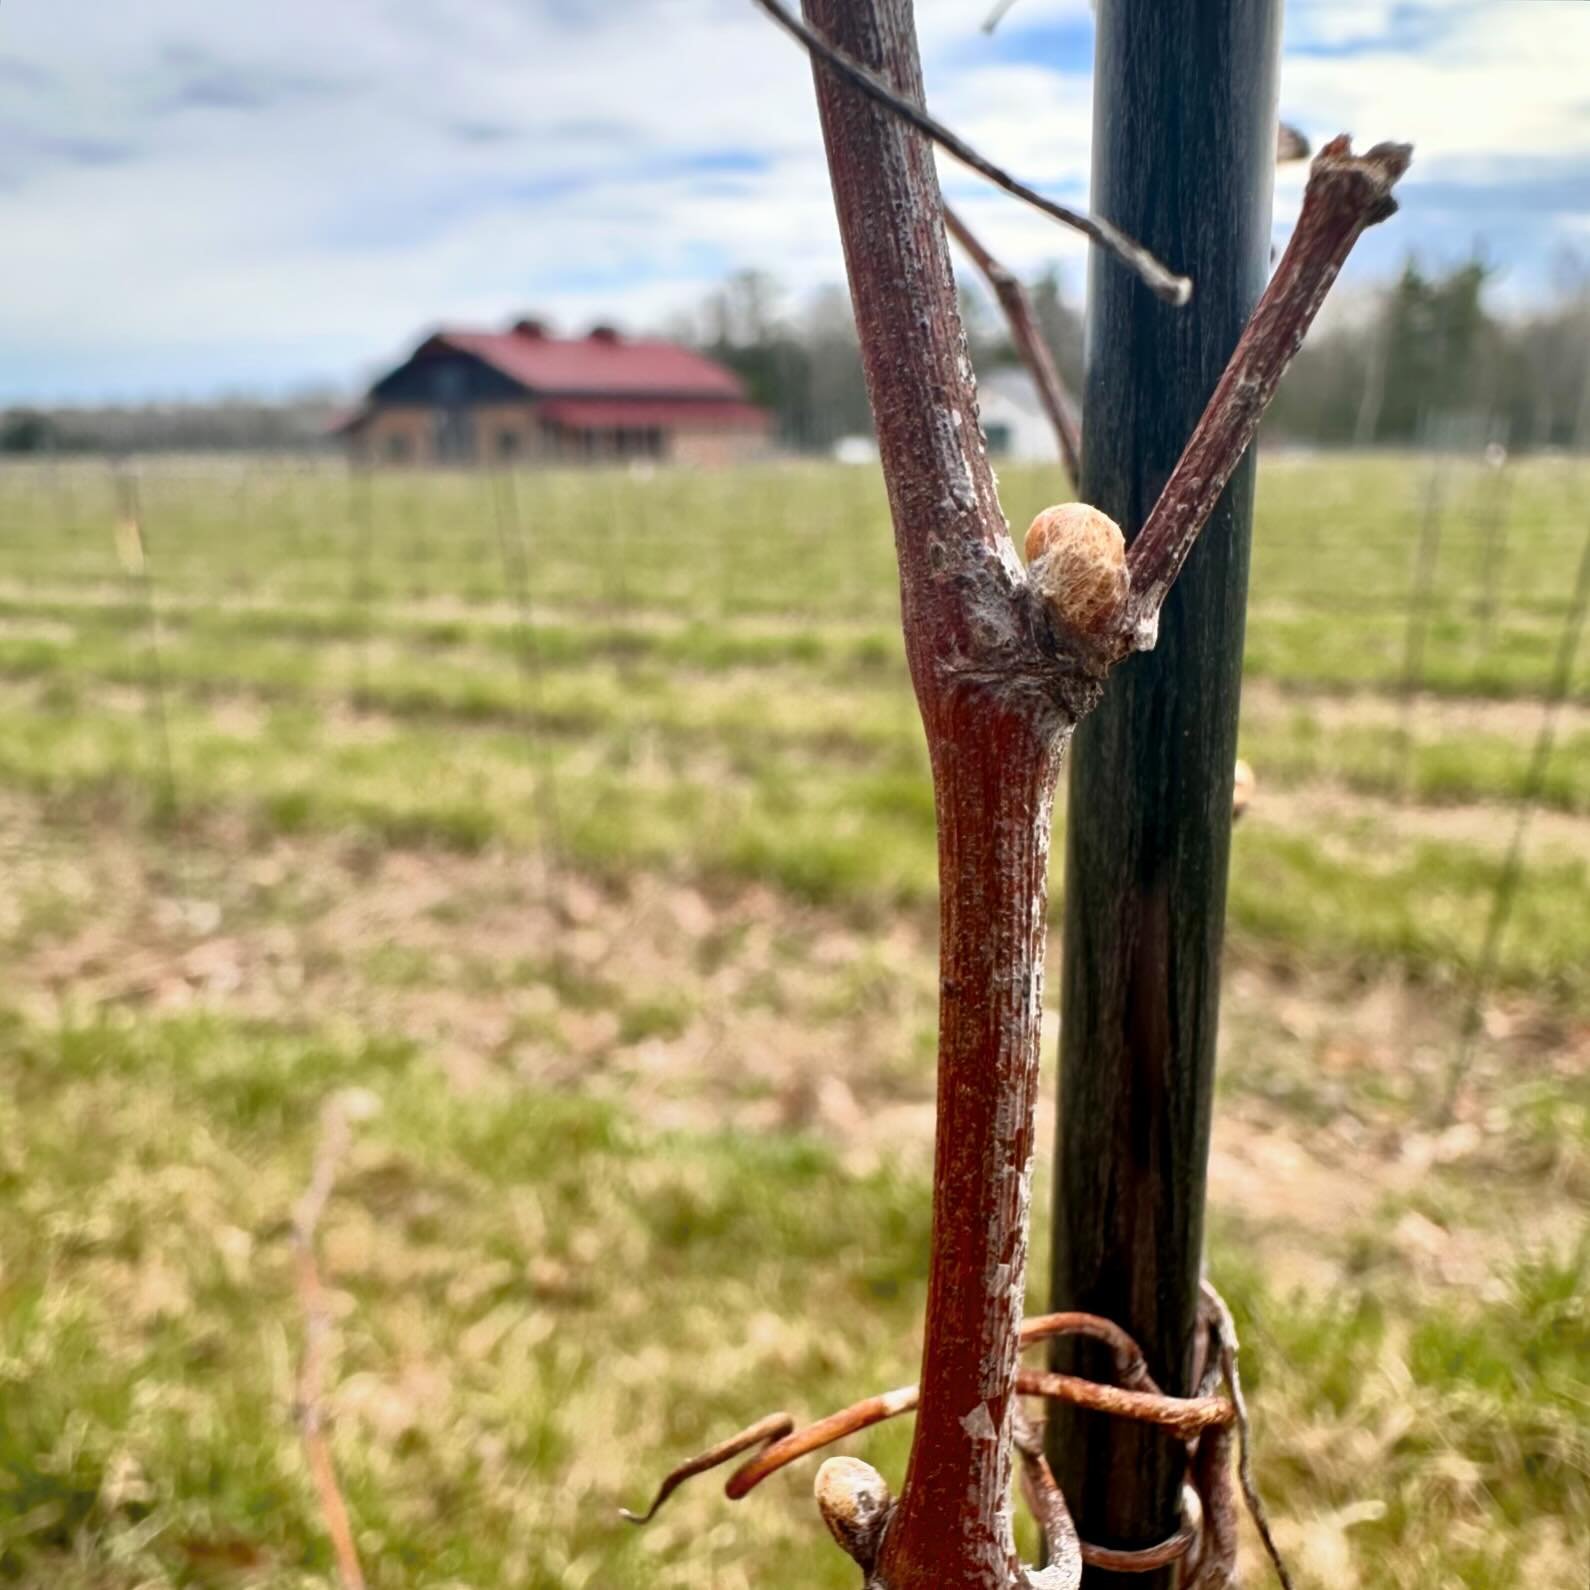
[[853, 1498], [1076, 559]]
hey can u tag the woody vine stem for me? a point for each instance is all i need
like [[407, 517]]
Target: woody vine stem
[[1004, 660]]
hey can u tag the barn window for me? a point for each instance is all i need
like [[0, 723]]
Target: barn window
[[507, 443], [397, 448], [998, 438]]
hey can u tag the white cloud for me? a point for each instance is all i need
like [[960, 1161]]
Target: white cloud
[[212, 195], [1501, 80], [1337, 23], [1494, 101]]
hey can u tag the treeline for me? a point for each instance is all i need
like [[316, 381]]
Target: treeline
[[805, 364], [236, 425], [1430, 360], [1425, 359]]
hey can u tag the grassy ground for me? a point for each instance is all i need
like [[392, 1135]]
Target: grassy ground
[[584, 822]]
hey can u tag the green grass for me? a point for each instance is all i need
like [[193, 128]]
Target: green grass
[[541, 1303], [1345, 890], [1296, 743], [1447, 1443], [555, 1269], [733, 797], [518, 1274]]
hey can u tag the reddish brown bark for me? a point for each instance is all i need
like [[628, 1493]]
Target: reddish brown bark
[[1345, 194], [994, 764], [1000, 686]]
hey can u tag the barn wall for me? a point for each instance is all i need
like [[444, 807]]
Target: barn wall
[[396, 436], [405, 434], [496, 421], [715, 449]]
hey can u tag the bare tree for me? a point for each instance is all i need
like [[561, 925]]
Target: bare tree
[[1005, 661]]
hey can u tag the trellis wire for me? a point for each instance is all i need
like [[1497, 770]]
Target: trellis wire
[[242, 505], [631, 534], [1492, 522], [616, 552], [133, 548], [527, 654], [1370, 401], [729, 525], [620, 552], [363, 511], [419, 559], [60, 500], [1426, 558], [1508, 879]]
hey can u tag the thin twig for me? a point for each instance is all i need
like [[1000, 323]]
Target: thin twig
[[775, 1442], [1345, 194], [1145, 1559], [1212, 1562], [1034, 351], [1163, 282], [1185, 1417], [1226, 1334], [765, 1433], [780, 1445], [1130, 1365], [1066, 1551], [813, 1437], [1062, 1548], [336, 1132], [997, 15]]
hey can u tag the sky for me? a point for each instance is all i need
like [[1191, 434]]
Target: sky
[[201, 198]]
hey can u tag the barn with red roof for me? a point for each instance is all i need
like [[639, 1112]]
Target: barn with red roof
[[525, 396]]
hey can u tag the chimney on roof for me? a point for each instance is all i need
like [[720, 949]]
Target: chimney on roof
[[604, 334], [534, 329]]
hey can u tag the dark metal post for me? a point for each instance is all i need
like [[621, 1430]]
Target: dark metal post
[[1184, 131]]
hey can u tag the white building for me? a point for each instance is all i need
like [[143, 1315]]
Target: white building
[[1014, 423]]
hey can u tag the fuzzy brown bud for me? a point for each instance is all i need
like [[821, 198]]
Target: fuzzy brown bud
[[1244, 788], [853, 1498], [1076, 559]]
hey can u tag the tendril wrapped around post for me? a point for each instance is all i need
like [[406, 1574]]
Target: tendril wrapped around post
[[856, 1503]]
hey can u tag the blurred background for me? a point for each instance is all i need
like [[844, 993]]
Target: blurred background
[[450, 673]]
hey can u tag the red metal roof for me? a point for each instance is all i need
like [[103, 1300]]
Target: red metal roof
[[604, 364], [679, 414]]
